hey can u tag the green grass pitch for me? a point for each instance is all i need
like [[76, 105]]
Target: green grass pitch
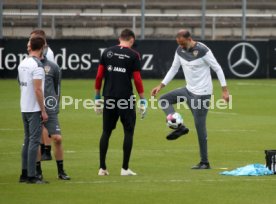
[[237, 137]]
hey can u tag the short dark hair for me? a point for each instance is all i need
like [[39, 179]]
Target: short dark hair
[[127, 34], [37, 42], [39, 32], [184, 33]]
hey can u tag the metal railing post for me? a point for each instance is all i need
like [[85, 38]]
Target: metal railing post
[[143, 19], [203, 19], [213, 28], [133, 23], [1, 19], [53, 26], [39, 4], [243, 19]]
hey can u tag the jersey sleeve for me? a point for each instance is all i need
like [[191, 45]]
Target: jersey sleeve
[[138, 82], [137, 62], [212, 62], [100, 72], [38, 73], [38, 70], [99, 77], [173, 70]]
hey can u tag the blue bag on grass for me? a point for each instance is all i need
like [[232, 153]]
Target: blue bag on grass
[[249, 170]]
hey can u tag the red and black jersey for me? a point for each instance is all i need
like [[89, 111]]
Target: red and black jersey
[[118, 65]]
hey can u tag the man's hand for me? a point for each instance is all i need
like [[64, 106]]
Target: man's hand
[[98, 104], [142, 106], [44, 116], [155, 90], [225, 94]]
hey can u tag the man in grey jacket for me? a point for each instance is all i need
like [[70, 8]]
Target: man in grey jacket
[[196, 59]]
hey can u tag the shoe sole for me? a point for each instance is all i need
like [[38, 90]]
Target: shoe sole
[[198, 168], [105, 174], [174, 137], [64, 179]]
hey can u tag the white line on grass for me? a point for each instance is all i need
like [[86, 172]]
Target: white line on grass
[[222, 113], [10, 129], [173, 181], [122, 180], [70, 151], [232, 130], [145, 150], [221, 168], [253, 84]]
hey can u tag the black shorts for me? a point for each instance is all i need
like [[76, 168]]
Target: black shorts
[[112, 111]]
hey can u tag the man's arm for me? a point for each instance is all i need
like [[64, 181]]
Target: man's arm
[[98, 84], [173, 70], [155, 90], [57, 82], [40, 98], [138, 83], [212, 62], [98, 80], [169, 76], [225, 93]]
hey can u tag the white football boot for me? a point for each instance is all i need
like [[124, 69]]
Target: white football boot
[[127, 172], [103, 172]]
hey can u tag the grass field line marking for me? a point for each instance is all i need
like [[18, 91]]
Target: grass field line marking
[[144, 150], [70, 151], [253, 84], [10, 129], [222, 113], [122, 180], [237, 179], [232, 130], [173, 181]]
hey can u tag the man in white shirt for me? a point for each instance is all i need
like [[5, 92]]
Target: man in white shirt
[[51, 129], [31, 80], [196, 59]]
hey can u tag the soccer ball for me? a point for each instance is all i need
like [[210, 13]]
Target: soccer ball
[[174, 120]]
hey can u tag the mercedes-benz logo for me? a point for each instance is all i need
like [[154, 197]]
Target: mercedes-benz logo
[[243, 65]]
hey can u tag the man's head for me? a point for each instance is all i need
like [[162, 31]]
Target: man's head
[[184, 38], [38, 32], [36, 43], [127, 36]]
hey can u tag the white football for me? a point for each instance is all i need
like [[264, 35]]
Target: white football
[[174, 120]]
